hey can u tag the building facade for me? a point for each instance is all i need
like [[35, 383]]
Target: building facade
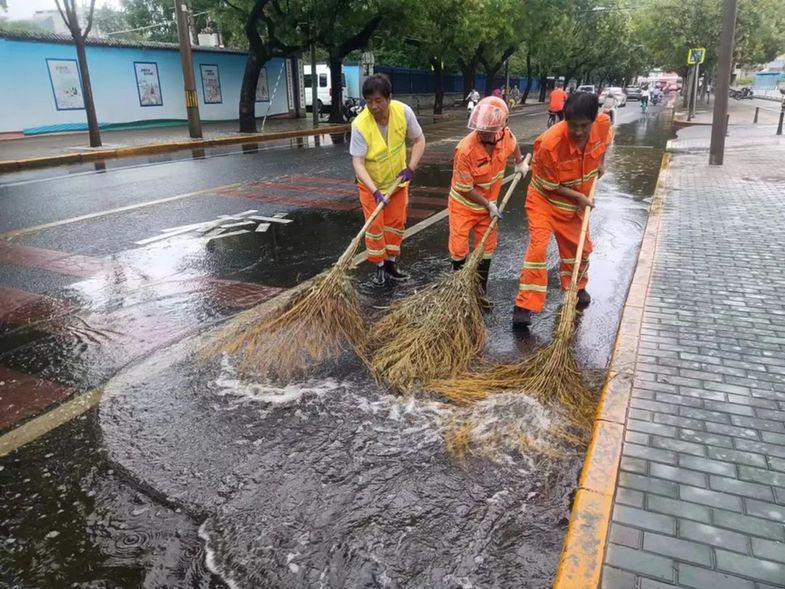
[[133, 84]]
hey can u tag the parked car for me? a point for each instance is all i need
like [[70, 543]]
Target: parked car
[[633, 92], [621, 97], [324, 94], [591, 88]]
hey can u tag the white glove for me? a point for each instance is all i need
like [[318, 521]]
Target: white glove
[[493, 211], [520, 168]]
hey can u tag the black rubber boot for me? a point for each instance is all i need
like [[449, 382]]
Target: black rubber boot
[[458, 264], [393, 272], [379, 277], [483, 270], [521, 317], [584, 299]]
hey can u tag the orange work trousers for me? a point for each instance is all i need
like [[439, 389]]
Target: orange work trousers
[[546, 220], [463, 221], [383, 238]]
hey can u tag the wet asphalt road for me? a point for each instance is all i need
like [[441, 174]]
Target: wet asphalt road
[[331, 484]]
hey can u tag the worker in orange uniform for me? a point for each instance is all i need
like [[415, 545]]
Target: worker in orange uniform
[[568, 158], [378, 150], [556, 103], [478, 169]]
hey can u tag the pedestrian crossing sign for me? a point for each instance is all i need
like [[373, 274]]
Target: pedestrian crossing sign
[[696, 56]]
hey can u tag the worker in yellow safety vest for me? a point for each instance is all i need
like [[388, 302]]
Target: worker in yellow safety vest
[[378, 150]]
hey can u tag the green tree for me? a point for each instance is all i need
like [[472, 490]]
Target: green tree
[[156, 18], [109, 20], [270, 32], [340, 27]]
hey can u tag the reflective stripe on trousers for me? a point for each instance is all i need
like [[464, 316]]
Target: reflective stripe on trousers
[[384, 236], [544, 221]]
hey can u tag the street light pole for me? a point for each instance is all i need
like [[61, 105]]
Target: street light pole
[[719, 121], [191, 98]]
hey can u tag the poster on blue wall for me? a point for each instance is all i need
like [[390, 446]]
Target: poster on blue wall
[[211, 84], [66, 84], [262, 93], [148, 83]]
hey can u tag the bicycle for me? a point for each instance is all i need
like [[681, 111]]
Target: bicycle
[[553, 118]]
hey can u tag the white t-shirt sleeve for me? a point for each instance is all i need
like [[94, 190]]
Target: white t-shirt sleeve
[[413, 129], [357, 146]]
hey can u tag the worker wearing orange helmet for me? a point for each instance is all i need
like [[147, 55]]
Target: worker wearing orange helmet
[[568, 159], [478, 169]]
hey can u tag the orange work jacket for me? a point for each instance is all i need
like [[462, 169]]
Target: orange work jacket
[[559, 162]]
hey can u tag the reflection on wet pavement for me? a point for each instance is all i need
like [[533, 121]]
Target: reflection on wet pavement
[[333, 483]]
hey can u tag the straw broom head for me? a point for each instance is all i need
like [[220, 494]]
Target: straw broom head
[[433, 334], [437, 332], [314, 325]]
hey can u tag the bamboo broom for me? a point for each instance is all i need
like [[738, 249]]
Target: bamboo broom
[[437, 332], [315, 324], [552, 373]]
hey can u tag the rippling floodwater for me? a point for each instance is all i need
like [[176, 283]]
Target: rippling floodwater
[[339, 484]]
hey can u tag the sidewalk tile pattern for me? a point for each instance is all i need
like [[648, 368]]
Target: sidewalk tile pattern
[[700, 500]]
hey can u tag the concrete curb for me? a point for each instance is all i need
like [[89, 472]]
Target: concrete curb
[[136, 150], [580, 566]]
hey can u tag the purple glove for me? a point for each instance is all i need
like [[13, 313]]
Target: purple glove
[[379, 197], [406, 174]]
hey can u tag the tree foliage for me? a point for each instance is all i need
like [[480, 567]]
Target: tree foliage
[[156, 19]]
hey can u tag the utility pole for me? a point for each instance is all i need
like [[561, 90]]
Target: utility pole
[[719, 121], [191, 98], [314, 91], [192, 26], [693, 104], [507, 80]]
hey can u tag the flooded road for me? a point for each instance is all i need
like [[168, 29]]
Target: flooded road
[[186, 476]]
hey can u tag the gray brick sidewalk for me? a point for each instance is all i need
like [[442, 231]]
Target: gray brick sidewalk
[[700, 498]]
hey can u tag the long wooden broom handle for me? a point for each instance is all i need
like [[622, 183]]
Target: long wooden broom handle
[[516, 178], [349, 252], [582, 239]]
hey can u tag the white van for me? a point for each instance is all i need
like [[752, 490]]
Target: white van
[[323, 95]]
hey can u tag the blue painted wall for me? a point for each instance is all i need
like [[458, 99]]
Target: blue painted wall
[[27, 102], [767, 80], [352, 73]]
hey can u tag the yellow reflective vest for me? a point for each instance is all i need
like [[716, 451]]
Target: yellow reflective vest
[[384, 158]]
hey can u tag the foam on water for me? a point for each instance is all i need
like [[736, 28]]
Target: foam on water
[[229, 384]]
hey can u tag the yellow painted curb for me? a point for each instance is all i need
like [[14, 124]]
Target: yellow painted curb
[[583, 553], [152, 148]]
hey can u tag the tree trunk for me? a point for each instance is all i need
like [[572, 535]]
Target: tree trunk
[[469, 72], [87, 93], [686, 88], [528, 87], [543, 83], [336, 97], [253, 66], [490, 78], [438, 70]]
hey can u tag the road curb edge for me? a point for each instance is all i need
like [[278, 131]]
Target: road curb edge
[[583, 552]]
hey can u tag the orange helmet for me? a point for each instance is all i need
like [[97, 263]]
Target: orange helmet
[[490, 115]]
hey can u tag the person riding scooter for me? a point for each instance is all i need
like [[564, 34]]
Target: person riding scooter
[[656, 96], [609, 104], [471, 101]]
